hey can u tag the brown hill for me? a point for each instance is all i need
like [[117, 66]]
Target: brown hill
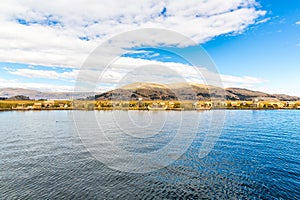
[[152, 91], [245, 94], [186, 91]]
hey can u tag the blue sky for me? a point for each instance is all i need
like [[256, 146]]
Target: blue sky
[[254, 44], [270, 50]]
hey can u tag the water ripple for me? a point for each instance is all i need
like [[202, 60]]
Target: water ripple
[[256, 157]]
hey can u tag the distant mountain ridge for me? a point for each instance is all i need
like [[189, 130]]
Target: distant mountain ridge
[[33, 94], [153, 91]]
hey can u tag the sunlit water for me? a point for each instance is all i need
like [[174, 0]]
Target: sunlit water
[[257, 156]]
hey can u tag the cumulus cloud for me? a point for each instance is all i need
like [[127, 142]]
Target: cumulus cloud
[[63, 33]]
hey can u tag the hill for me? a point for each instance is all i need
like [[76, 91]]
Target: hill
[[245, 94], [187, 91], [153, 91]]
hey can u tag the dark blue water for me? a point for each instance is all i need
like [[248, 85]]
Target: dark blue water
[[257, 156]]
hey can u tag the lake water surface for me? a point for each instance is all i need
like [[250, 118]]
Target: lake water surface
[[256, 156]]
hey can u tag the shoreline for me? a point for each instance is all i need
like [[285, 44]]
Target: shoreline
[[114, 109]]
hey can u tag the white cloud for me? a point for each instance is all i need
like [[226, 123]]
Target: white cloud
[[4, 83], [48, 33], [298, 23], [33, 73], [263, 20], [126, 70], [242, 82]]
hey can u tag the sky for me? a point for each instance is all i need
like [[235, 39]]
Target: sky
[[250, 44]]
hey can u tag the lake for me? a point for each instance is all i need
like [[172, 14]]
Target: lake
[[150, 155]]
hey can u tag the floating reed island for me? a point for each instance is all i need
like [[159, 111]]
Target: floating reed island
[[156, 105]]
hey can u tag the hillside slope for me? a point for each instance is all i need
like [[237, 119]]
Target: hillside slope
[[153, 91], [187, 91]]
